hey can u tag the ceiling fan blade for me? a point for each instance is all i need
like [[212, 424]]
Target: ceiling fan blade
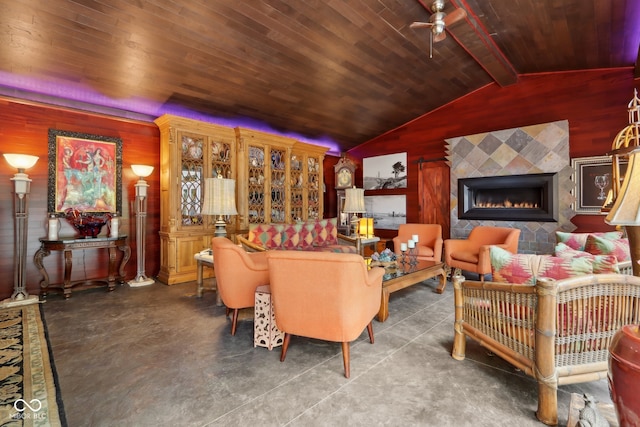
[[439, 37], [455, 16], [421, 25]]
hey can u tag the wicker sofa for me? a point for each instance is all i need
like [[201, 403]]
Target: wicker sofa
[[313, 235], [556, 331]]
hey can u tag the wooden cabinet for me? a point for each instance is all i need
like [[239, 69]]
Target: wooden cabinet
[[279, 179], [190, 151]]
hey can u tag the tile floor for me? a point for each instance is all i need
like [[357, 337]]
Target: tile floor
[[160, 356]]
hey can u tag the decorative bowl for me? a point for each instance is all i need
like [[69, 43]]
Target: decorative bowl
[[88, 225]]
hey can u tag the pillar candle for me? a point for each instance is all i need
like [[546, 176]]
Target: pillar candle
[[403, 247], [415, 238], [411, 244]]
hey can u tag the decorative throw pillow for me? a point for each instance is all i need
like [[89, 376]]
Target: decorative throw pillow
[[267, 235], [599, 246], [326, 232], [578, 241], [602, 264], [307, 235], [562, 268], [290, 236], [518, 269]]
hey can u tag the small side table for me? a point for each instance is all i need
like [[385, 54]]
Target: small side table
[[363, 242], [204, 259], [265, 330]]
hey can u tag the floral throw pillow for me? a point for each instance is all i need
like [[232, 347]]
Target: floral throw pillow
[[578, 241], [562, 268], [513, 268], [599, 246], [602, 264]]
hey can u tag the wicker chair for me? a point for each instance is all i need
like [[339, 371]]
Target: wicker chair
[[558, 332]]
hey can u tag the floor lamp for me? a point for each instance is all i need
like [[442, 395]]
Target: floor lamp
[[354, 204], [219, 200], [22, 185], [142, 172]]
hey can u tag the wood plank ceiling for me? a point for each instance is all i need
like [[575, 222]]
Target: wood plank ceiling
[[338, 70]]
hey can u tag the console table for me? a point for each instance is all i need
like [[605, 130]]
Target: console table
[[68, 245]]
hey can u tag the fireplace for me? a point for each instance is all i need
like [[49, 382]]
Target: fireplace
[[509, 198]]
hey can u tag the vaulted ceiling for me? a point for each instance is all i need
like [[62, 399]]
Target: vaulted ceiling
[[336, 71]]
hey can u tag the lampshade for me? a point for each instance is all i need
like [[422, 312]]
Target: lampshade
[[21, 161], [142, 171], [365, 227], [626, 208], [354, 200], [219, 197]]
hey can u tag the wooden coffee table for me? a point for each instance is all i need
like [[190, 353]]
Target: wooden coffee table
[[403, 276]]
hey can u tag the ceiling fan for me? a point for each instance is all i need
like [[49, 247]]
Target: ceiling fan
[[438, 22]]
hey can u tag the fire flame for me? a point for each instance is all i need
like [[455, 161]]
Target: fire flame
[[507, 204]]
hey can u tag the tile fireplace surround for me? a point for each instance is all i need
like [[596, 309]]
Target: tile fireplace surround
[[542, 148]]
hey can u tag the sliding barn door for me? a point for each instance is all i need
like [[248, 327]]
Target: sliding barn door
[[434, 194]]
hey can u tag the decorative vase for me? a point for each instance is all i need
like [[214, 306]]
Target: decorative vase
[[624, 374]]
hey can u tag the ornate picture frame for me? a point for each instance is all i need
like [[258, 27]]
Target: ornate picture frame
[[592, 182], [85, 173]]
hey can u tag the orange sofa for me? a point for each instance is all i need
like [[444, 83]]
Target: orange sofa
[[429, 244], [325, 296], [472, 254]]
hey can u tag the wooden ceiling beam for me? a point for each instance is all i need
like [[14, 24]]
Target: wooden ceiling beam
[[474, 39]]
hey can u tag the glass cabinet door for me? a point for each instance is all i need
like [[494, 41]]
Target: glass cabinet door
[[256, 203], [191, 179], [278, 184], [297, 187], [314, 190]]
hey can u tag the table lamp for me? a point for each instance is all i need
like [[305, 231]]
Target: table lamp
[[219, 200], [354, 204], [365, 228]]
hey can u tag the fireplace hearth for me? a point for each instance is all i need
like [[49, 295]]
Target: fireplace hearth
[[529, 197]]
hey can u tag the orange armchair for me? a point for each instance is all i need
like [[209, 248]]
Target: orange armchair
[[238, 274], [429, 244], [472, 253], [326, 296]]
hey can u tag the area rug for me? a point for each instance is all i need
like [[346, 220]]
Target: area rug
[[28, 392]]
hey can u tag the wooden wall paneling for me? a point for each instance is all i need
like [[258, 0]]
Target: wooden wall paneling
[[24, 128], [593, 101]]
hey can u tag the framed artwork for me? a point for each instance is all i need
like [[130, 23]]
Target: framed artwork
[[592, 176], [385, 172], [85, 173], [388, 212]]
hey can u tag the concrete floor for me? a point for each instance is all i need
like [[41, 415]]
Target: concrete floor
[[160, 356]]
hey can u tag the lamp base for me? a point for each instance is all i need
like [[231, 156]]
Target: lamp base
[[221, 228], [140, 281], [9, 302]]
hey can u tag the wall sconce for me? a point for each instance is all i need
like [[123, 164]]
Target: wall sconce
[[22, 186], [219, 200], [365, 228], [354, 204], [142, 171]]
